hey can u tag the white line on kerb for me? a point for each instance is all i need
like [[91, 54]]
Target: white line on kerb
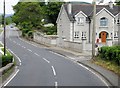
[[95, 74], [46, 60], [12, 77], [56, 84], [54, 72]]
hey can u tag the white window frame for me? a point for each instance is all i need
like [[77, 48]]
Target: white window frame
[[76, 34], [84, 35], [116, 34], [80, 20], [103, 22]]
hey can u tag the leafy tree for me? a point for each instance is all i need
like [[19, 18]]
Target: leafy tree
[[117, 2], [27, 14]]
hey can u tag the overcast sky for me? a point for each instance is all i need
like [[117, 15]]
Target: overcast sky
[[10, 3]]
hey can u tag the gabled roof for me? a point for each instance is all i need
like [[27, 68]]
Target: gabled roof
[[88, 9]]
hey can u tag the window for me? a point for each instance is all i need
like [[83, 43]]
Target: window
[[118, 21], [80, 20], [103, 21], [83, 35], [76, 34], [116, 34]]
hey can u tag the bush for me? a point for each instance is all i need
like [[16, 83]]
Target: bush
[[6, 59], [30, 34], [110, 53], [24, 32]]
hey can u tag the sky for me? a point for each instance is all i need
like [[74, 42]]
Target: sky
[[10, 3]]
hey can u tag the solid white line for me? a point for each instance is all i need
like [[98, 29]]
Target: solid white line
[[36, 54], [54, 72], [94, 74], [57, 54], [12, 77], [56, 84], [15, 55], [29, 50], [46, 60], [28, 42]]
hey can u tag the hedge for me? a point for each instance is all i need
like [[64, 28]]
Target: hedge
[[110, 53]]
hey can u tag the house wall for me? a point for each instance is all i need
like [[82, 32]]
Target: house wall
[[81, 28], [63, 27], [109, 28]]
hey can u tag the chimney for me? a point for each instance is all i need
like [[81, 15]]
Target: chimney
[[111, 5], [69, 8]]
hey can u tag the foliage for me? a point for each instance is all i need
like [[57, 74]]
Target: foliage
[[6, 59], [110, 53], [24, 32], [30, 34], [117, 2], [50, 30]]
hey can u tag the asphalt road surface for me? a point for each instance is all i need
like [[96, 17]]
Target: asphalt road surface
[[41, 67]]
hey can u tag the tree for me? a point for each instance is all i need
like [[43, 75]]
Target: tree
[[51, 11], [27, 14], [117, 2]]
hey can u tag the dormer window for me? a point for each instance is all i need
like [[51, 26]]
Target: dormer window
[[80, 20], [103, 21]]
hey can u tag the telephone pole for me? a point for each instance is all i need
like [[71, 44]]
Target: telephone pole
[[94, 30], [4, 30]]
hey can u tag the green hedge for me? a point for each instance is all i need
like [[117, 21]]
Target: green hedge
[[110, 53], [4, 60]]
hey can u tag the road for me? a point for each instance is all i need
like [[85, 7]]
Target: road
[[41, 67]]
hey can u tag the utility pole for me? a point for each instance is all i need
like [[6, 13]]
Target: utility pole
[[4, 30], [94, 30]]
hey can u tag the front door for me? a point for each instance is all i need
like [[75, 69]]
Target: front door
[[103, 37]]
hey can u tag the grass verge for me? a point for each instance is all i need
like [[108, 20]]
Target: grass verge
[[110, 65]]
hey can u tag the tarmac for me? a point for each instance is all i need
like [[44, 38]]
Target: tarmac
[[84, 58]]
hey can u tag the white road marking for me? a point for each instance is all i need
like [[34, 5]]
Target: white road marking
[[23, 47], [56, 84], [15, 56], [29, 50], [36, 54], [28, 42], [14, 41], [11, 78], [57, 54], [46, 60], [54, 72], [95, 74]]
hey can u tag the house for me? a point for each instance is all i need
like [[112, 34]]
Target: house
[[75, 23]]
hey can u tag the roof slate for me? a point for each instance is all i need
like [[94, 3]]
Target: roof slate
[[88, 9]]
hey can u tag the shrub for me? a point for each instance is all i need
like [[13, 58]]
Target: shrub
[[30, 34], [110, 53], [24, 32], [6, 59]]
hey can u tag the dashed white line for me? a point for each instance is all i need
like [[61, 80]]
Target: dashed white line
[[56, 84], [36, 54], [23, 47], [14, 41], [54, 72], [11, 78], [29, 50], [46, 60]]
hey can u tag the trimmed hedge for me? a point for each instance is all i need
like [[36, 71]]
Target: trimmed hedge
[[110, 53]]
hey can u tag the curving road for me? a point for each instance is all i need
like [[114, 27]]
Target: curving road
[[41, 67]]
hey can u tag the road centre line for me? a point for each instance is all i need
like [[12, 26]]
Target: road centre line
[[46, 60], [36, 54], [56, 84], [29, 50], [54, 72]]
